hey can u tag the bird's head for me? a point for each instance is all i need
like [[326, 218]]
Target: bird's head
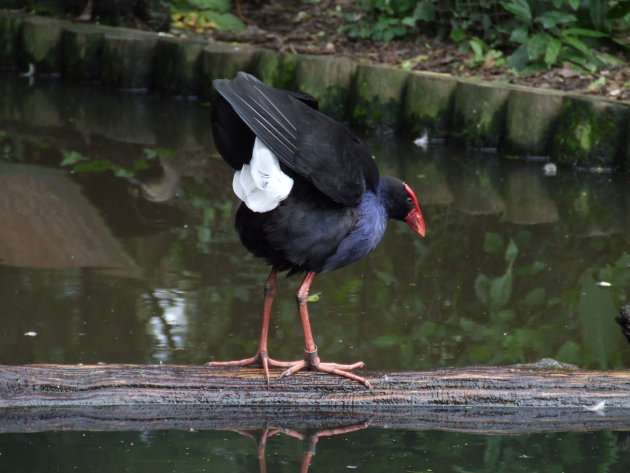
[[402, 204]]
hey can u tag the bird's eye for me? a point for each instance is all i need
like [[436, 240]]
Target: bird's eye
[[409, 200]]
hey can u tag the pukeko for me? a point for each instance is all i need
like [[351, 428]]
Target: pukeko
[[312, 198]]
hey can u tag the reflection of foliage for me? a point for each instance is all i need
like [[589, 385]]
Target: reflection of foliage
[[496, 293], [83, 163], [211, 215]]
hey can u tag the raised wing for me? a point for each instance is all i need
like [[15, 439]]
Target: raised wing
[[308, 142]]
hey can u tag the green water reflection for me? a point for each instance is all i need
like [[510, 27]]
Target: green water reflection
[[368, 450], [117, 246]]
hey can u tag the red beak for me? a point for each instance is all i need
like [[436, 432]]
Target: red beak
[[414, 218]]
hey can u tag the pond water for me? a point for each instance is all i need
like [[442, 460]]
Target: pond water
[[118, 246]]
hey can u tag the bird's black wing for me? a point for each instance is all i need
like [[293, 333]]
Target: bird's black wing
[[232, 137], [311, 144]]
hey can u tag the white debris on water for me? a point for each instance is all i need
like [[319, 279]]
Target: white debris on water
[[423, 141], [550, 169]]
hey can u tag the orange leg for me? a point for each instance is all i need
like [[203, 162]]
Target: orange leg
[[261, 357], [311, 438], [311, 360]]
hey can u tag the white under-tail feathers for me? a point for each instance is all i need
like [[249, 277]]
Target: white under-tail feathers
[[261, 184]]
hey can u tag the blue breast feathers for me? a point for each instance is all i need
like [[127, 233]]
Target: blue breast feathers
[[366, 234]]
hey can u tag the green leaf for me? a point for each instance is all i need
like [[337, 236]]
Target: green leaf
[[610, 59], [584, 32], [535, 297], [575, 4], [72, 157], [518, 59], [520, 34], [537, 45], [506, 315], [409, 21], [580, 63], [204, 234], [582, 47], [552, 51], [425, 11], [457, 34], [224, 21], [477, 46], [95, 165], [511, 252], [595, 309], [314, 297], [387, 340], [597, 83], [520, 8], [221, 6], [550, 19], [493, 243], [482, 284], [569, 352], [596, 9], [409, 64], [501, 290]]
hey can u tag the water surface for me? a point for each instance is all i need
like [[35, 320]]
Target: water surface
[[118, 246]]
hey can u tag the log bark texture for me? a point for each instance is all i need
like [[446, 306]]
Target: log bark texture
[[516, 399]]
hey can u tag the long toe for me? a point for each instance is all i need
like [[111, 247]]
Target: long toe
[[244, 362], [260, 359], [333, 368]]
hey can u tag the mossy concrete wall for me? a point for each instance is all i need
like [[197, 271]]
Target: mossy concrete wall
[[568, 128]]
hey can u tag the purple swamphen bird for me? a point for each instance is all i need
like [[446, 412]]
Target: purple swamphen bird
[[312, 198]]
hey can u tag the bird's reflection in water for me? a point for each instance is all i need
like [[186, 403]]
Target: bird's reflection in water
[[309, 437]]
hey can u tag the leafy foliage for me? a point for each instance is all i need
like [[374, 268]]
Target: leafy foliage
[[201, 15], [529, 33]]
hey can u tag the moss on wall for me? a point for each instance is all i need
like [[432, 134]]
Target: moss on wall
[[41, 45], [590, 133], [82, 52], [377, 96], [220, 61], [530, 121], [428, 104], [177, 66], [329, 79], [276, 68], [575, 130], [479, 113]]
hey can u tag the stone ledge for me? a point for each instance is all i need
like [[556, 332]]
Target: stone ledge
[[567, 128]]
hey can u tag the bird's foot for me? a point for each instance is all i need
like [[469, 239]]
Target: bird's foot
[[261, 358], [312, 362]]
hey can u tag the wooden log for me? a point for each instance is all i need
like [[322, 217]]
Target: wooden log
[[534, 386], [514, 399]]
